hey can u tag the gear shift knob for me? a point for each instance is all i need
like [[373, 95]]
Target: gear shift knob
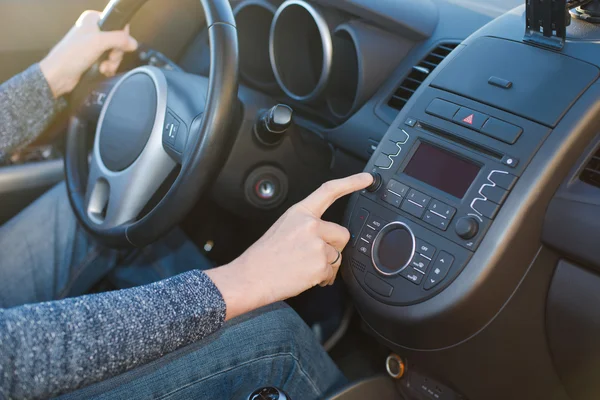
[[272, 124], [268, 393]]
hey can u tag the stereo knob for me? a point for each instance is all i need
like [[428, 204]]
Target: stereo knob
[[393, 248], [373, 187], [467, 227]]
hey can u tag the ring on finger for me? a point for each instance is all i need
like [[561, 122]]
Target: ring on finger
[[339, 255]]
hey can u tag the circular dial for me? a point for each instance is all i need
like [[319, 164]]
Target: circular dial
[[466, 228], [393, 248]]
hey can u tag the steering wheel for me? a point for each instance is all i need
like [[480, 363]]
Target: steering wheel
[[152, 122]]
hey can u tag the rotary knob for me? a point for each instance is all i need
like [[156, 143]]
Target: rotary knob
[[466, 227], [393, 248]]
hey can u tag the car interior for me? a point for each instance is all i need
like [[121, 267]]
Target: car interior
[[473, 268]]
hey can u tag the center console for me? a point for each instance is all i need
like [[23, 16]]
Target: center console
[[447, 166], [446, 171]]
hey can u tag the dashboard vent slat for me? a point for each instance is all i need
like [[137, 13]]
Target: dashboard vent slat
[[419, 73], [591, 172]]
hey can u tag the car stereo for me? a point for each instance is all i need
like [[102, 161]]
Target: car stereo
[[445, 173]]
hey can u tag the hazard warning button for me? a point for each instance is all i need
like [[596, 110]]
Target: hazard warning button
[[470, 118]]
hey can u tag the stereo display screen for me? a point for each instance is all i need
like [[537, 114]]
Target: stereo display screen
[[442, 169]]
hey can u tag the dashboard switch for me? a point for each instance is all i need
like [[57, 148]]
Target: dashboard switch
[[397, 188], [425, 249], [436, 220], [389, 148], [419, 262], [412, 275], [391, 198], [439, 271], [418, 197], [441, 209], [375, 224], [503, 179], [503, 131], [364, 248], [356, 224], [495, 194], [443, 109], [486, 208], [413, 208], [470, 118], [383, 162]]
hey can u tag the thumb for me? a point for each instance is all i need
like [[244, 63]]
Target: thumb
[[117, 40]]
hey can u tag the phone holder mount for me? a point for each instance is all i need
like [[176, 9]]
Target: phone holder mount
[[547, 20]]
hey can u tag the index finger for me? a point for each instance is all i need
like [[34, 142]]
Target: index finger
[[322, 198]]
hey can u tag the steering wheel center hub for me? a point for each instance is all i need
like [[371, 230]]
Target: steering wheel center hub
[[127, 121]]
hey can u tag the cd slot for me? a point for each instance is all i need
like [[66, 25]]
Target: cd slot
[[459, 140]]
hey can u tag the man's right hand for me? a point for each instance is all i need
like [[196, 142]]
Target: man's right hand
[[297, 253]]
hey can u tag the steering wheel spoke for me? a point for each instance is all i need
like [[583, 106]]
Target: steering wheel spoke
[[116, 198]]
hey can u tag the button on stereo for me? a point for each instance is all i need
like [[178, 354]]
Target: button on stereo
[[419, 205], [495, 194], [439, 271], [389, 148], [418, 198], [486, 208], [436, 220], [419, 262], [413, 208], [441, 209], [397, 188], [425, 249], [412, 275], [383, 162], [503, 179], [391, 198]]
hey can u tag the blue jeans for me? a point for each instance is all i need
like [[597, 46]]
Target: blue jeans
[[45, 255]]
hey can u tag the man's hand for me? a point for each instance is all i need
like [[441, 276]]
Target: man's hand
[[298, 252], [80, 49]]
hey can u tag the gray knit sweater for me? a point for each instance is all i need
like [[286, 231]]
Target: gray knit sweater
[[56, 347]]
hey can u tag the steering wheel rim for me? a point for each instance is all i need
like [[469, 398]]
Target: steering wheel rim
[[203, 156]]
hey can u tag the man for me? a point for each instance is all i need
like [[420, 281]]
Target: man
[[170, 338]]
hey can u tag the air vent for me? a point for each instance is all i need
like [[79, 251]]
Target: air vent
[[591, 173], [418, 74]]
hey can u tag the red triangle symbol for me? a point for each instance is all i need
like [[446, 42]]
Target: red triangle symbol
[[469, 119]]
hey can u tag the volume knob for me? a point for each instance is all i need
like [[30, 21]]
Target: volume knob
[[466, 227]]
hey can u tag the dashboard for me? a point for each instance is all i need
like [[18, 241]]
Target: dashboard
[[339, 64], [476, 258]]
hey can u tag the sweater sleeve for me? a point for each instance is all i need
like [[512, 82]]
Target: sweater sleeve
[[52, 348], [27, 107]]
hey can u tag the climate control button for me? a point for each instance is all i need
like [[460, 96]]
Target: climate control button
[[393, 248]]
